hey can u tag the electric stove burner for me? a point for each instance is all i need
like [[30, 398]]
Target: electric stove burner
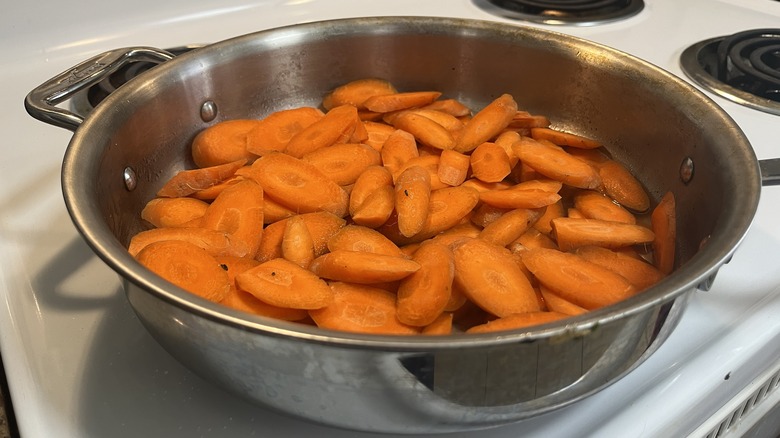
[[743, 67], [579, 12], [84, 103]]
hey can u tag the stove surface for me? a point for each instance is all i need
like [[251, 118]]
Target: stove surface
[[80, 364]]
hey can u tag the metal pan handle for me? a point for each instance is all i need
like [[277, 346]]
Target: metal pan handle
[[770, 171], [42, 101]]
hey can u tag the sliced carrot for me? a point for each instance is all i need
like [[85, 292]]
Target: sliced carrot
[[343, 163], [640, 273], [505, 140], [577, 280], [359, 238], [552, 211], [222, 143], [517, 321], [211, 193], [524, 119], [187, 266], [322, 226], [564, 138], [523, 172], [172, 212], [362, 267], [534, 238], [377, 209], [377, 134], [487, 123], [361, 309], [442, 325], [425, 130], [272, 133], [356, 92], [573, 213], [273, 211], [509, 226], [449, 106], [623, 187], [448, 121], [664, 223], [490, 278], [282, 283], [482, 186], [399, 148], [214, 242], [594, 157], [485, 214], [238, 211], [412, 196], [490, 163], [430, 162], [453, 167], [557, 164], [244, 301], [369, 180], [520, 197], [457, 232], [423, 295], [400, 101], [297, 243], [594, 205], [298, 185], [555, 303], [571, 233], [457, 298], [360, 134], [187, 182], [337, 126]]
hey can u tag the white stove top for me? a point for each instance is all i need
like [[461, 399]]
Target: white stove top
[[80, 364]]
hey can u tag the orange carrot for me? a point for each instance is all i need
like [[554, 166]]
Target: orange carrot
[[172, 212], [272, 133], [485, 214], [211, 193], [377, 208], [510, 226], [284, 284], [571, 233], [187, 266], [453, 167], [487, 123], [564, 138], [187, 182], [427, 131], [362, 267], [377, 134], [448, 121], [399, 148], [594, 205], [490, 163], [552, 211], [222, 143], [412, 196], [557, 164], [623, 187], [297, 243], [524, 119], [449, 106], [400, 101], [533, 238], [337, 126], [214, 242], [490, 278], [356, 92], [555, 303], [321, 225], [640, 273], [343, 163], [244, 301], [238, 211], [429, 162], [359, 238], [574, 279], [273, 211], [440, 326], [517, 321], [664, 223], [505, 140], [423, 295]]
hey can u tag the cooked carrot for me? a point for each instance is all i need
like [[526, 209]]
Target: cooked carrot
[[484, 214], [362, 267], [490, 278], [235, 265], [574, 279], [534, 238], [222, 143], [282, 283], [594, 157], [377, 208], [557, 164], [369, 180], [337, 126], [187, 266], [361, 309], [448, 121], [509, 226], [298, 185], [564, 138], [209, 194], [356, 92], [524, 119], [412, 196], [244, 301], [571, 233], [172, 212], [360, 134], [430, 162], [425, 130], [490, 163], [214, 242], [359, 238], [272, 133], [453, 167], [238, 211], [449, 106], [623, 187], [487, 123], [573, 213], [505, 140], [343, 163], [423, 295], [440, 326], [517, 321], [297, 243], [521, 196], [457, 298], [555, 303], [369, 116], [640, 273], [322, 226], [664, 223], [377, 134], [400, 101], [523, 172], [187, 182], [399, 148], [594, 205], [552, 211], [482, 186], [273, 211]]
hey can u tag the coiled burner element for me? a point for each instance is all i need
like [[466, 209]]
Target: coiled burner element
[[579, 12]]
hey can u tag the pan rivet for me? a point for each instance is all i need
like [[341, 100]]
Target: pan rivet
[[686, 170], [130, 179], [208, 111]]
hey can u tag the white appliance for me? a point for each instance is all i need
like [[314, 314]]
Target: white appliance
[[79, 363]]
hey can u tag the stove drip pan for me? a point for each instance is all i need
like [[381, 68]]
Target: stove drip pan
[[743, 67], [577, 12]]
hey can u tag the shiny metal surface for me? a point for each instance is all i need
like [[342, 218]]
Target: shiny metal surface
[[400, 384]]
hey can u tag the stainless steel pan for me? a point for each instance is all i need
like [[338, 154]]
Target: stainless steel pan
[[671, 136]]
